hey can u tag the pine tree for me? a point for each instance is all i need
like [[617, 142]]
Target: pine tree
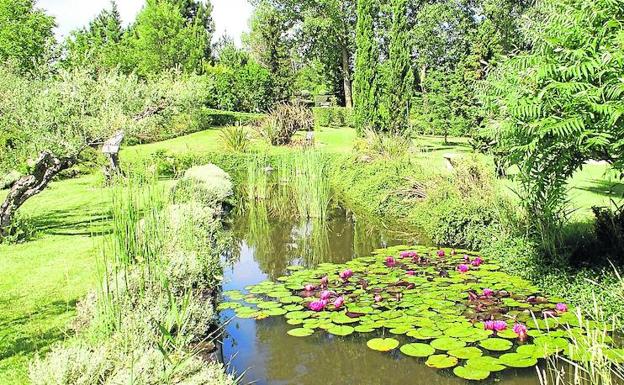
[[366, 67], [400, 82]]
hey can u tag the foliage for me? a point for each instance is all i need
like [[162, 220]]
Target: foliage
[[235, 138], [284, 121], [365, 89], [569, 86], [385, 145], [609, 228], [333, 117], [26, 36]]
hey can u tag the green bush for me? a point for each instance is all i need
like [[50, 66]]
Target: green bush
[[283, 122], [207, 184], [333, 117]]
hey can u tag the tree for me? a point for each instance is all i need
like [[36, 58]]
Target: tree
[[366, 67], [561, 104], [25, 34], [99, 44], [198, 12], [162, 38], [270, 45], [400, 82], [57, 118]]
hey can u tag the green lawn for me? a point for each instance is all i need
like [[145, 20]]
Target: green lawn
[[44, 278]]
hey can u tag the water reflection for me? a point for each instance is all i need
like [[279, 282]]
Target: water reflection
[[271, 239]]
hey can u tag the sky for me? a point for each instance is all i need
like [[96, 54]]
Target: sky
[[230, 16]]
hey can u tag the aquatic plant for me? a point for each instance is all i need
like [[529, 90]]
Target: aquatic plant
[[423, 295]]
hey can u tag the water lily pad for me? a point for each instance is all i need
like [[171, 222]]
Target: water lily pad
[[298, 315], [301, 332], [383, 344], [364, 329], [441, 361], [340, 330], [228, 305], [496, 344], [471, 373], [417, 350], [486, 363], [466, 353], [447, 343], [516, 360]]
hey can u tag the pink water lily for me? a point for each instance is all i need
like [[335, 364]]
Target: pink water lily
[[346, 274], [408, 254], [488, 292], [495, 326], [338, 302], [391, 262], [317, 305], [453, 252], [466, 258], [441, 253], [562, 308], [521, 331], [463, 268], [326, 294], [309, 287], [324, 281], [410, 272], [477, 262], [378, 298]]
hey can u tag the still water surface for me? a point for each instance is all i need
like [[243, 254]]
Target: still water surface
[[263, 353]]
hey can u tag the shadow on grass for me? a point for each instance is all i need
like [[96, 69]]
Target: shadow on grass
[[605, 188], [16, 341], [64, 222]]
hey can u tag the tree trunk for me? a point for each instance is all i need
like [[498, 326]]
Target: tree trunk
[[346, 77], [46, 168]]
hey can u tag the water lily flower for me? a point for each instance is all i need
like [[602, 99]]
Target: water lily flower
[[495, 326], [408, 254], [391, 262], [477, 262], [488, 292], [453, 252], [411, 272], [325, 294], [338, 302], [521, 331], [562, 308], [317, 305], [463, 268], [466, 258], [378, 298], [441, 253], [309, 287], [549, 313], [324, 281], [346, 274]]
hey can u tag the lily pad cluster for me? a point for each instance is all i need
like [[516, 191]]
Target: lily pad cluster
[[456, 309]]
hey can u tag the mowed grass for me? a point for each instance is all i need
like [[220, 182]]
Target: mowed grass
[[43, 279]]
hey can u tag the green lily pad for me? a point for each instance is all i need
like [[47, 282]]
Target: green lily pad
[[340, 330], [470, 373], [496, 344], [441, 361], [486, 363], [383, 344], [516, 360], [301, 332], [364, 329], [466, 353], [417, 350], [447, 343]]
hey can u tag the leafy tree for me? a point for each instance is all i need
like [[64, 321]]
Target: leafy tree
[[99, 44], [270, 45], [400, 83], [198, 12], [366, 68], [25, 34], [163, 38], [562, 104]]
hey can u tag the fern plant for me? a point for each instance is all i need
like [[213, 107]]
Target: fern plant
[[561, 104]]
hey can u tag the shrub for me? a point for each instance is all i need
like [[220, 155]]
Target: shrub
[[609, 227], [284, 121], [235, 139], [376, 144], [333, 117], [206, 184]]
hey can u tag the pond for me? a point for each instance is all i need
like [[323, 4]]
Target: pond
[[262, 352]]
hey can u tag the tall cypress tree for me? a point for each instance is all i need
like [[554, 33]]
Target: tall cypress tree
[[400, 81], [366, 67]]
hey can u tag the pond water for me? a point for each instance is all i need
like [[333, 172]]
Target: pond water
[[261, 351]]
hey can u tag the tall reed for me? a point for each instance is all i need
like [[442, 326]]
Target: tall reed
[[310, 184]]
